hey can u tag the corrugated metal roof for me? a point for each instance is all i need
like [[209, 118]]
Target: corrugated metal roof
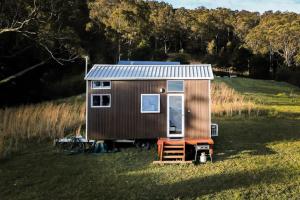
[[135, 62], [149, 72]]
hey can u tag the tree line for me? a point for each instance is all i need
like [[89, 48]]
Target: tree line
[[237, 39], [35, 33]]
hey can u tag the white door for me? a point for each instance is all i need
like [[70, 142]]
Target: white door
[[175, 115]]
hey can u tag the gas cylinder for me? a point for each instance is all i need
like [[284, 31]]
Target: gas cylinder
[[203, 157]]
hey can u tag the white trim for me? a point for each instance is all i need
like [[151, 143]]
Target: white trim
[[158, 111], [217, 130], [175, 91], [86, 109], [168, 117], [86, 98], [185, 65], [209, 107], [92, 95], [101, 87], [204, 65]]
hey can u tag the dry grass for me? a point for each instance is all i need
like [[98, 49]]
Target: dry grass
[[226, 101], [40, 122]]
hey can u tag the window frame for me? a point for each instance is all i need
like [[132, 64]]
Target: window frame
[[101, 87], [177, 90], [158, 110], [92, 95]]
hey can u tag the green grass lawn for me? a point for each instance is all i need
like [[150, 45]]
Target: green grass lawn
[[279, 97], [255, 158]]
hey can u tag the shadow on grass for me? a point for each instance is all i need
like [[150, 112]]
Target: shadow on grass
[[199, 186], [46, 174]]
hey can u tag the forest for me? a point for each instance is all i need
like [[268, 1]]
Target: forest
[[43, 43]]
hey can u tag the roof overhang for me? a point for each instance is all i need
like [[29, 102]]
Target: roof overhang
[[150, 72]]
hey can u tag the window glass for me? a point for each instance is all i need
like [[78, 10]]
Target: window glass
[[106, 83], [175, 86], [101, 100], [101, 84], [96, 100], [96, 84], [150, 103], [105, 101]]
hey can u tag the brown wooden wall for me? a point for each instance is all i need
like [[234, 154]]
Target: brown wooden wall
[[124, 120], [197, 112]]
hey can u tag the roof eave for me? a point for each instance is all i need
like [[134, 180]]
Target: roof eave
[[145, 79], [88, 78]]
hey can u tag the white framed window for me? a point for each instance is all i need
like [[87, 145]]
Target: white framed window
[[101, 84], [100, 100], [150, 103], [175, 85]]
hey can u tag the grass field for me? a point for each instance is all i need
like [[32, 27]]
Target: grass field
[[281, 98], [255, 158]]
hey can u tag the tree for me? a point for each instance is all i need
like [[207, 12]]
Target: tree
[[277, 33], [60, 31], [183, 20], [125, 21], [222, 20], [243, 22], [14, 18], [202, 28], [211, 47], [162, 22], [44, 25]]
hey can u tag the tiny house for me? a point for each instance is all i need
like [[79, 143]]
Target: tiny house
[[134, 100]]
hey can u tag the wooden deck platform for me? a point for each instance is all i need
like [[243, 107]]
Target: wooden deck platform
[[173, 151], [190, 141]]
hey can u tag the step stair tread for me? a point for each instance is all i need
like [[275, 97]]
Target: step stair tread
[[174, 156], [172, 162], [174, 147], [174, 143], [174, 151]]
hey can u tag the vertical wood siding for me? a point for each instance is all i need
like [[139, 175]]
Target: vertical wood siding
[[197, 116], [124, 120]]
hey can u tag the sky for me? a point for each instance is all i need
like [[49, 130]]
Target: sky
[[251, 5]]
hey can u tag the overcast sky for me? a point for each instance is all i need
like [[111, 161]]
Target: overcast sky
[[251, 5]]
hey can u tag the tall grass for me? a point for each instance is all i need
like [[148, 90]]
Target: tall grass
[[226, 101], [39, 122]]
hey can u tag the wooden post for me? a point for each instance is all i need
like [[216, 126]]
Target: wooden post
[[211, 151], [161, 151], [183, 159]]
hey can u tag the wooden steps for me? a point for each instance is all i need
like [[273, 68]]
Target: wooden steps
[[172, 151]]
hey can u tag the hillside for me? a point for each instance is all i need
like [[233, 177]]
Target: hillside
[[256, 157], [279, 98]]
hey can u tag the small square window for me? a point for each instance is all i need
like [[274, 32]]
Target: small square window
[[175, 86], [100, 100], [150, 103], [101, 84]]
